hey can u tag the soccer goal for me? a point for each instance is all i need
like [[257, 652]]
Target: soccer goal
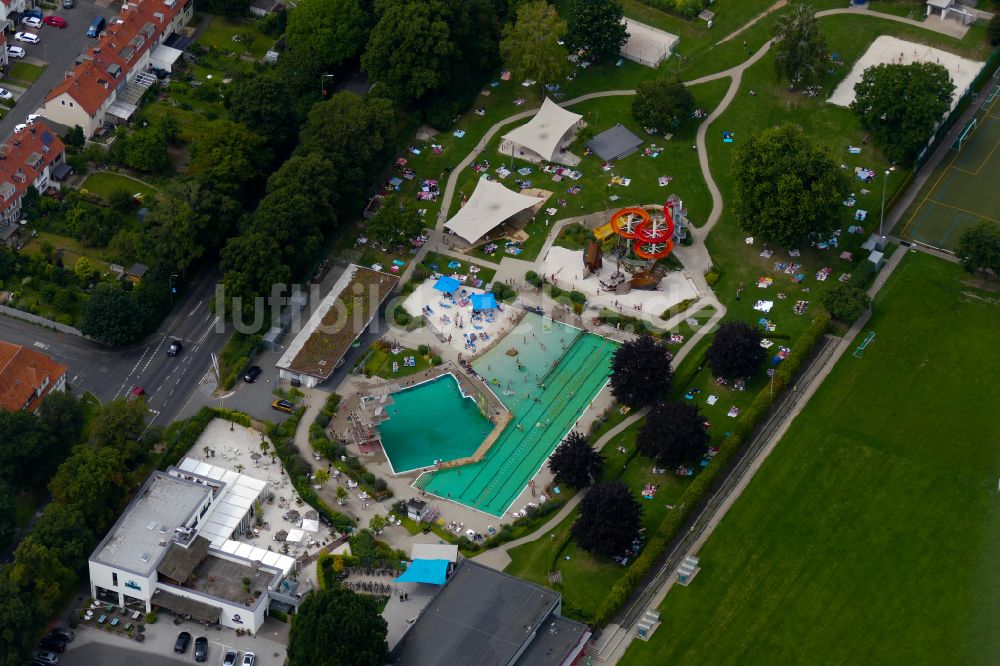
[[966, 133], [860, 351]]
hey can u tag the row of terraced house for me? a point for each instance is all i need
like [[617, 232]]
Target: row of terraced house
[[103, 88]]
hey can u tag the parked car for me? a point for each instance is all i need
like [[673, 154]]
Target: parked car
[[55, 21], [96, 26], [182, 642], [20, 127], [201, 649], [68, 634], [46, 657], [6, 94], [286, 406], [252, 373], [32, 21], [15, 52], [175, 348], [29, 37], [53, 644], [249, 659], [69, 4], [231, 657], [34, 11]]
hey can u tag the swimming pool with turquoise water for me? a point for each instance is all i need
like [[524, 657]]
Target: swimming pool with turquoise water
[[547, 385], [431, 421]]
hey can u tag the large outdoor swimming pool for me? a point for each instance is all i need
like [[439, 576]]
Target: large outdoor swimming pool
[[547, 386], [431, 421]]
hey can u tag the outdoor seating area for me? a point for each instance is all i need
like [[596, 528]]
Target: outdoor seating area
[[466, 318]]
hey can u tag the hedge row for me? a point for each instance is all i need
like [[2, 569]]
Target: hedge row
[[700, 485], [685, 8], [298, 468]]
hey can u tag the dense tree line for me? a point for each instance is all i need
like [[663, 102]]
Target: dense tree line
[[88, 488]]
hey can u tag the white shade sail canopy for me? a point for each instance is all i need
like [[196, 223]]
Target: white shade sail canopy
[[490, 205], [543, 133]]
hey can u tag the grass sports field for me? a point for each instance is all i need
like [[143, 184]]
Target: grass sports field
[[965, 188], [870, 535]]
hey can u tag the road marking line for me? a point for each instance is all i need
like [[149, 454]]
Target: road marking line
[[208, 330], [195, 308], [41, 345]]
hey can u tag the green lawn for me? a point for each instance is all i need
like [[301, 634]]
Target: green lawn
[[380, 363], [72, 250], [676, 160], [871, 529], [439, 262], [25, 74], [104, 183], [219, 35]]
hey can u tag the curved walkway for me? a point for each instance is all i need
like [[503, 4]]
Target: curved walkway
[[697, 255]]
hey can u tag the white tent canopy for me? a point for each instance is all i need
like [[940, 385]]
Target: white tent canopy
[[543, 133], [490, 205]]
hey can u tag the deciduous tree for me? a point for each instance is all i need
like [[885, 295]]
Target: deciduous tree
[[800, 54], [229, 8], [575, 462], [353, 133], [845, 302], [662, 102], [8, 513], [640, 372], [110, 316], [673, 434], [253, 264], [92, 480], [261, 102], [902, 104], [979, 248], [336, 29], [62, 415], [395, 223], [229, 157], [84, 270], [119, 425], [735, 352], [596, 27], [358, 641], [530, 46], [609, 519], [787, 186], [63, 530]]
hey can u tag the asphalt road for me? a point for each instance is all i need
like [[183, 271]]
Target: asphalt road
[[169, 381], [59, 48]]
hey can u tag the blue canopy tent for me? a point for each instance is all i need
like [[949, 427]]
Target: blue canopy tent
[[447, 284], [425, 571], [483, 302]]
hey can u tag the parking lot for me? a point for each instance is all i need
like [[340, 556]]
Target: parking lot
[[58, 49]]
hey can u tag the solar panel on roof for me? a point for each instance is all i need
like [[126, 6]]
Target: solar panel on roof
[[47, 138]]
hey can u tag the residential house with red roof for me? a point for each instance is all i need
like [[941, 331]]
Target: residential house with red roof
[[27, 376], [28, 158], [107, 84]]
